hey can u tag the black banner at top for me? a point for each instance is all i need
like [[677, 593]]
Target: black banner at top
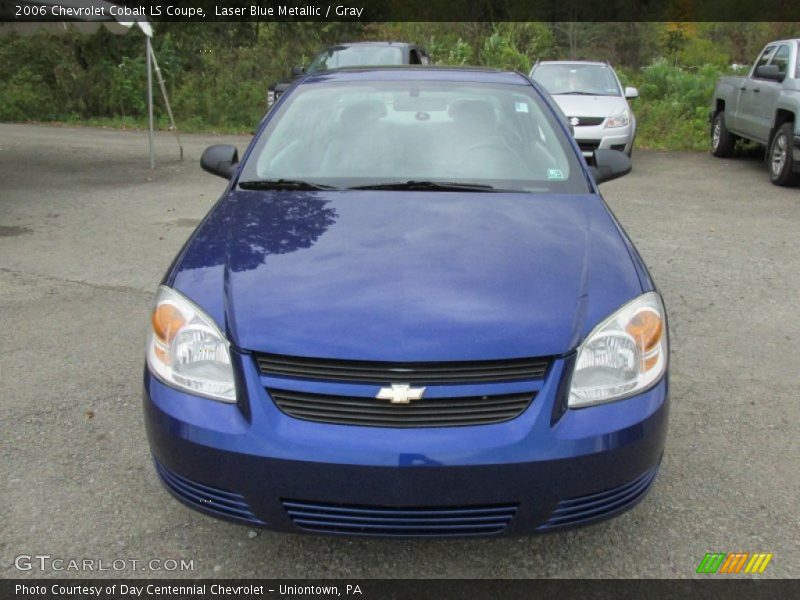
[[404, 10]]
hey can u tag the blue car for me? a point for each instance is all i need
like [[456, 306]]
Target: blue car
[[411, 313]]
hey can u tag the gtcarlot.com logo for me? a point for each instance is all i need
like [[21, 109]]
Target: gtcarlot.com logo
[[45, 562], [736, 562]]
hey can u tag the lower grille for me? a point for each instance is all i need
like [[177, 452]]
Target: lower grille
[[223, 503], [588, 145], [370, 412], [585, 509], [587, 121], [399, 522]]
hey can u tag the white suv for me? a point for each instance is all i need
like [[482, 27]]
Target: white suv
[[591, 97]]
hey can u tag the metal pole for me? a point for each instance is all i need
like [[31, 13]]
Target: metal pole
[[162, 85], [150, 102]]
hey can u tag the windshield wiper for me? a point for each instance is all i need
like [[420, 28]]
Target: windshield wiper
[[578, 93], [435, 186], [284, 184]]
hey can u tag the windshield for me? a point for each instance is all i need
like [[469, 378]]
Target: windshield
[[356, 56], [359, 134], [595, 80]]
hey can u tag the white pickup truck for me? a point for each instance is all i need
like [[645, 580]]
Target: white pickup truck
[[763, 107]]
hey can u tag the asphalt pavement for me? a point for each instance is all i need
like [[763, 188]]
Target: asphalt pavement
[[87, 231]]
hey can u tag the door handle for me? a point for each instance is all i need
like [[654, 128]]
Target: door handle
[[743, 88], [756, 90]]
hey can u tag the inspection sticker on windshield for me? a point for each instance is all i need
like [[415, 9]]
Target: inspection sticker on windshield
[[521, 106], [555, 174]]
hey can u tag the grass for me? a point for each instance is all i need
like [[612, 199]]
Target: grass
[[141, 124]]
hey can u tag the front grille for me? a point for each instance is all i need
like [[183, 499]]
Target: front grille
[[585, 509], [371, 412], [222, 503], [588, 121], [399, 522], [430, 373], [588, 145]]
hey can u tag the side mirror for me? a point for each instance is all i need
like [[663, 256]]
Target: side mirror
[[298, 71], [631, 92], [610, 164], [771, 72], [220, 160]]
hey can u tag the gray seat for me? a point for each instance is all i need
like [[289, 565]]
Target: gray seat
[[360, 147]]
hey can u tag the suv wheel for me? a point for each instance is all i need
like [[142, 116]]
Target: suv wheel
[[779, 157], [722, 140]]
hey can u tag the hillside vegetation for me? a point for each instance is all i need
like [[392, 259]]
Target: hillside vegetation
[[217, 73]]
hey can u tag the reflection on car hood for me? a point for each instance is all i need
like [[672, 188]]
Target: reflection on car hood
[[402, 276], [590, 106]]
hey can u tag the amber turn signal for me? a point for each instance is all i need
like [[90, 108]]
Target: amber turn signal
[[167, 321], [646, 327]]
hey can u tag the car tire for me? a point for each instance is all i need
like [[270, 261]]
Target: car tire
[[722, 140], [779, 157]]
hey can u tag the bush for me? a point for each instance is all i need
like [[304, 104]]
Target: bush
[[457, 53], [217, 74], [516, 46], [672, 109], [25, 94]]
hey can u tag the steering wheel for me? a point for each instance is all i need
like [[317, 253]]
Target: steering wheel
[[489, 145]]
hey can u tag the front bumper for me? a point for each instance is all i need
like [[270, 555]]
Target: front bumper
[[618, 138], [253, 464]]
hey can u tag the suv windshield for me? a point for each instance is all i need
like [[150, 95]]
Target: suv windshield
[[594, 80], [356, 56], [416, 135]]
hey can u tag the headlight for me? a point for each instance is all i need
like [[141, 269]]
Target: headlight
[[187, 350], [620, 120], [624, 355]]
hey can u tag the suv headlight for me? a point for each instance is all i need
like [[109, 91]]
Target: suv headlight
[[186, 349], [620, 120], [624, 355]]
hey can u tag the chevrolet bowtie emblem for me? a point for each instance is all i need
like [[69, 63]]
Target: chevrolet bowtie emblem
[[400, 394]]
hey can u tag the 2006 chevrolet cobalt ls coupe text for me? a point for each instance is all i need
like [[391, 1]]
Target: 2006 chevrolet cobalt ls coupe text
[[411, 313]]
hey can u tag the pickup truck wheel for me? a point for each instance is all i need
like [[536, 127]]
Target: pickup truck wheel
[[779, 157], [722, 140]]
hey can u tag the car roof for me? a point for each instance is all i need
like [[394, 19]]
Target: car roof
[[789, 41], [370, 43], [418, 73], [598, 63]]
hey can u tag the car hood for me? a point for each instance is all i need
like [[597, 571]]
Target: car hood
[[407, 276], [590, 106]]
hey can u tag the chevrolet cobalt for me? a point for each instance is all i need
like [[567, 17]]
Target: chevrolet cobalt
[[411, 313]]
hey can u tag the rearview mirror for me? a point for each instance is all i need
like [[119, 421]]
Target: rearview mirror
[[610, 164], [631, 92], [771, 72], [220, 160], [298, 71]]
